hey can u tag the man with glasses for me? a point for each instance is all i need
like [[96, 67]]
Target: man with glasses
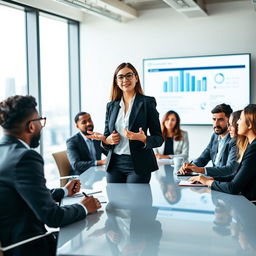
[[26, 204]]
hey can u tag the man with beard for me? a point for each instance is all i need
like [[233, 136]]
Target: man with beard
[[83, 152], [221, 149], [26, 204]]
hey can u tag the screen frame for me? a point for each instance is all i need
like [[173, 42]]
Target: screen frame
[[202, 56]]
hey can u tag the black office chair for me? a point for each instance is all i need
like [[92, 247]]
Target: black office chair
[[9, 247]]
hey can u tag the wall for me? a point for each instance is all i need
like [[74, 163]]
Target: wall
[[229, 28]]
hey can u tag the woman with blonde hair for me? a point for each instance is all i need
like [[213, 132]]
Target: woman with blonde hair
[[176, 142], [243, 181]]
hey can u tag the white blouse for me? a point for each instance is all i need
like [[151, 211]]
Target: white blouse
[[122, 122]]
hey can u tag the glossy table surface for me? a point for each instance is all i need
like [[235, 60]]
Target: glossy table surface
[[160, 219]]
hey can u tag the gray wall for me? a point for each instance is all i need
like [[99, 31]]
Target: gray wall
[[229, 28]]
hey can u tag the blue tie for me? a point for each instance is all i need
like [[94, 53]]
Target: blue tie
[[92, 149]]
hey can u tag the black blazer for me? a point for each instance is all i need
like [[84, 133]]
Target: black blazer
[[26, 203], [228, 158], [244, 180], [79, 155], [144, 115]]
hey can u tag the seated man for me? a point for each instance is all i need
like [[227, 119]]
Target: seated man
[[221, 149], [26, 204], [83, 152]]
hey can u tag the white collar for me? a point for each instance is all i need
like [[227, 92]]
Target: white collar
[[219, 138], [24, 143], [122, 100], [84, 137]]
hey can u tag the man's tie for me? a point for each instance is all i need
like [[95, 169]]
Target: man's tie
[[92, 149]]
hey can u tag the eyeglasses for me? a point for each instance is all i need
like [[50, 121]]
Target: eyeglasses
[[41, 119], [128, 76]]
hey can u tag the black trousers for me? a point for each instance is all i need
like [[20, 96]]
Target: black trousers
[[121, 170]]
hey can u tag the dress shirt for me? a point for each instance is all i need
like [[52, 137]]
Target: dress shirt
[[24, 143], [122, 122], [91, 148], [221, 143]]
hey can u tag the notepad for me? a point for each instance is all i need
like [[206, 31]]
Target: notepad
[[187, 183]]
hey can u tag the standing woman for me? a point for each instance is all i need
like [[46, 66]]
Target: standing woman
[[175, 140], [129, 116], [243, 181]]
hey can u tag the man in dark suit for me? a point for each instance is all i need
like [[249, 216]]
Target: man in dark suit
[[83, 152], [26, 204], [221, 149]]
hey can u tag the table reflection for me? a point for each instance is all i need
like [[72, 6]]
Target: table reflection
[[236, 217], [168, 184], [129, 229]]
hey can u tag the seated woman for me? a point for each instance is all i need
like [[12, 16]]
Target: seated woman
[[175, 140], [243, 181], [224, 170]]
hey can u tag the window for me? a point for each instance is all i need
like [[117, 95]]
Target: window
[[13, 53], [54, 91], [47, 70]]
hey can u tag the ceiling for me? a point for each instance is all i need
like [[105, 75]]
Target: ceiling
[[125, 10], [141, 5]]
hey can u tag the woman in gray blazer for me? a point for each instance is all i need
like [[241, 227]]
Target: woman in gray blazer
[[176, 142]]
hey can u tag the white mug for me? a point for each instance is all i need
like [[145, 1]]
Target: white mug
[[178, 161]]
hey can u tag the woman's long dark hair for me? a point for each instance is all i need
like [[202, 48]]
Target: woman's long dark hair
[[116, 92], [176, 130]]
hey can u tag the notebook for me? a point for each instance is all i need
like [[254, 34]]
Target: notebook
[[189, 184]]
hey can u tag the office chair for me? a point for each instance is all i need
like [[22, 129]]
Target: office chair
[[6, 248], [63, 165]]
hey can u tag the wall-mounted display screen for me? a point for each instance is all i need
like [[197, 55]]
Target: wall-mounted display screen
[[193, 86]]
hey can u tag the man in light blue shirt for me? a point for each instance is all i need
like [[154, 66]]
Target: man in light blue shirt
[[221, 149]]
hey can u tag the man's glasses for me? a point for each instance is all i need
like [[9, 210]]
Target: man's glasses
[[41, 119], [128, 76]]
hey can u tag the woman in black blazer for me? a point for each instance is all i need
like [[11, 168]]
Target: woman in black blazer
[[243, 181], [129, 117]]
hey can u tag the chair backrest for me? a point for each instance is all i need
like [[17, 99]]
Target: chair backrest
[[63, 164], [11, 246]]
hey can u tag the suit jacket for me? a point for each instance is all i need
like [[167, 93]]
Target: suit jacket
[[26, 203], [244, 180], [228, 156], [79, 155], [144, 115], [180, 148]]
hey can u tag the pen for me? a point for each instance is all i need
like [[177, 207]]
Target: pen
[[103, 202], [69, 177], [84, 194], [96, 192]]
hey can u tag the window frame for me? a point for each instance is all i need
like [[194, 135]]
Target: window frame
[[33, 58]]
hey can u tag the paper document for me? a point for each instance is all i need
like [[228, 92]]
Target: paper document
[[189, 184]]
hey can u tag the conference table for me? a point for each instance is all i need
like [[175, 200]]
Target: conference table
[[160, 218]]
